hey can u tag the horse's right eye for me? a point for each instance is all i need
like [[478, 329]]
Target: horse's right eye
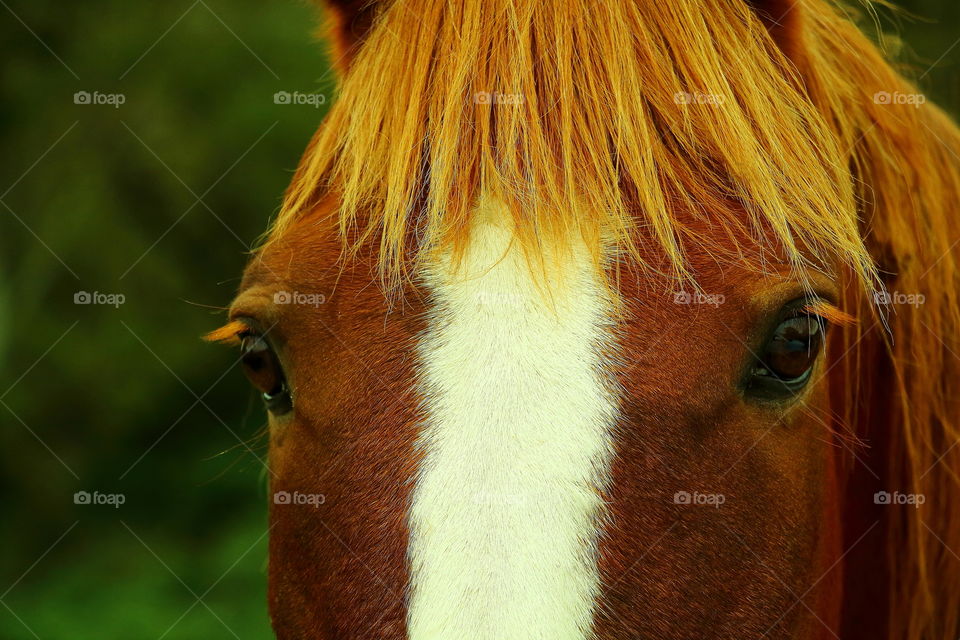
[[262, 367], [788, 357]]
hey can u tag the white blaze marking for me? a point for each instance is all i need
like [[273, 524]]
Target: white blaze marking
[[515, 447]]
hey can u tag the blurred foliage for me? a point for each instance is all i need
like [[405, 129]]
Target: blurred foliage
[[160, 199], [129, 398]]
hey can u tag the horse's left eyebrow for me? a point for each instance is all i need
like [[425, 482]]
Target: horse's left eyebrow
[[832, 313], [229, 333]]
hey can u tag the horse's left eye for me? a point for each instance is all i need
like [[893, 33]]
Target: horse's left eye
[[262, 367], [788, 357]]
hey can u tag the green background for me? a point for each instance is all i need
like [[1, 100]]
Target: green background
[[160, 200]]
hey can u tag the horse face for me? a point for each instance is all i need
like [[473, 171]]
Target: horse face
[[543, 438], [499, 454]]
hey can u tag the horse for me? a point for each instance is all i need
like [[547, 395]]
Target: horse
[[612, 320]]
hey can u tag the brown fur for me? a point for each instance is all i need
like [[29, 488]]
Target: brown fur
[[338, 570], [783, 19], [672, 571]]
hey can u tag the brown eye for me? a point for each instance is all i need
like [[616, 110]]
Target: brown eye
[[263, 369], [788, 357]]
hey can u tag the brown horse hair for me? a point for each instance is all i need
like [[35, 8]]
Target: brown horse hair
[[622, 122]]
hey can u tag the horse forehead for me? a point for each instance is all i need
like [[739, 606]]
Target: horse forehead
[[311, 252], [308, 260]]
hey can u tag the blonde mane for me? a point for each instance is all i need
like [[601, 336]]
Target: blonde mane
[[562, 108], [628, 122]]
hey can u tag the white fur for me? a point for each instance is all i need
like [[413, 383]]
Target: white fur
[[516, 445]]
